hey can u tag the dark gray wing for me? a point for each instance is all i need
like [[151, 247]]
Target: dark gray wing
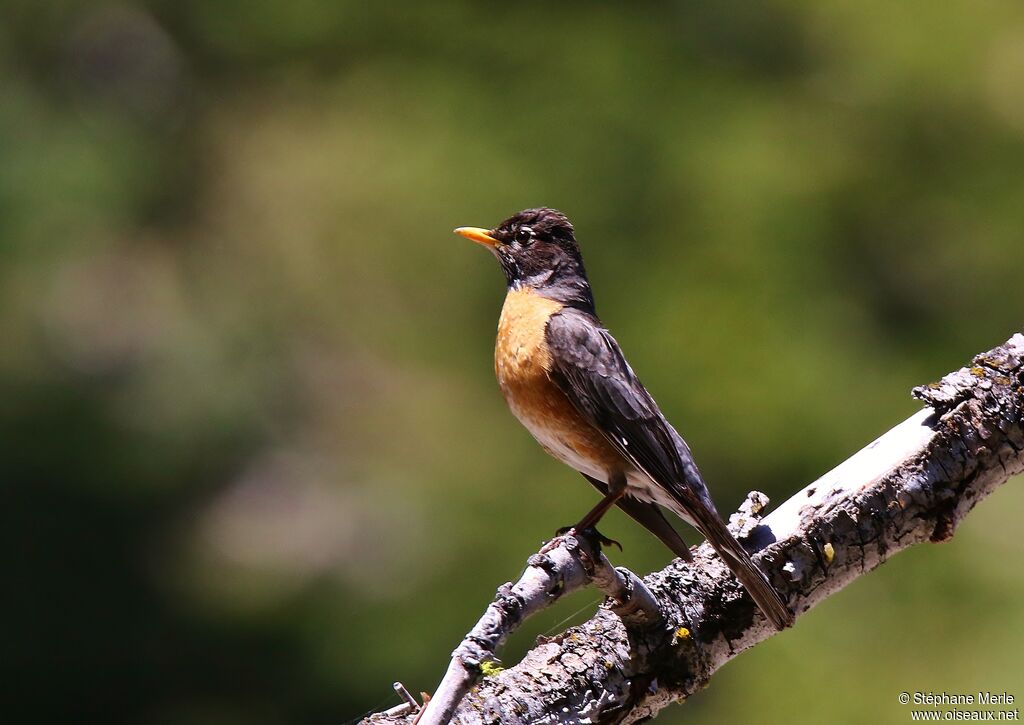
[[588, 366]]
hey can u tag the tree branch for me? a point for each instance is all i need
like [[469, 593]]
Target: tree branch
[[659, 641]]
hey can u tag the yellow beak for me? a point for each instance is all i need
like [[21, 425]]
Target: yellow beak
[[478, 235]]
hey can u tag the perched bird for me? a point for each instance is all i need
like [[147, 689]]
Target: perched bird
[[565, 379]]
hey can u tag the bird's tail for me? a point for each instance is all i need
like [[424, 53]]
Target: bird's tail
[[752, 578]]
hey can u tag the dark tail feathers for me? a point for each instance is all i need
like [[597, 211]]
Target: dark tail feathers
[[752, 578]]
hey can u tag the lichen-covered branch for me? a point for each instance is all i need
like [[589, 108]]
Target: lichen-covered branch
[[913, 484], [569, 563]]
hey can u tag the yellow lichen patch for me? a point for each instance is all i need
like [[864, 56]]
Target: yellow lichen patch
[[978, 372], [681, 633], [490, 668], [830, 553]]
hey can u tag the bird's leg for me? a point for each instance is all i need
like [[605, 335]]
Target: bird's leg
[[616, 490]]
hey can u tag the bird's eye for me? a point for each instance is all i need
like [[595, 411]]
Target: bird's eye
[[524, 235]]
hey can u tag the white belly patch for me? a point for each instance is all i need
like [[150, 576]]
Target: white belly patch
[[554, 444]]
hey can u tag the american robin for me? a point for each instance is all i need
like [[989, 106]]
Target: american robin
[[565, 378]]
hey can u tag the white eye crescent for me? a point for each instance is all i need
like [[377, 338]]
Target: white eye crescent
[[524, 235]]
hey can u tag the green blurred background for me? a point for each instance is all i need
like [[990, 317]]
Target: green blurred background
[[254, 464]]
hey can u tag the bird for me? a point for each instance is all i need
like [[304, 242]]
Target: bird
[[565, 378]]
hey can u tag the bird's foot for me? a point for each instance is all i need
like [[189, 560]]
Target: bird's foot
[[601, 538], [592, 533]]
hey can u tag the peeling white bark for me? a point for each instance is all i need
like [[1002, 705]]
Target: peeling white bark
[[661, 640]]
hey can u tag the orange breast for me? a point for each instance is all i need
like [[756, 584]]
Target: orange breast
[[522, 363]]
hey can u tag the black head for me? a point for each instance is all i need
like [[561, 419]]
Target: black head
[[537, 249]]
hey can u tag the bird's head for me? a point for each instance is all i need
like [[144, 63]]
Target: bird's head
[[537, 249]]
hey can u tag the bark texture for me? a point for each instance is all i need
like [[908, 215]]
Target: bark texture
[[914, 484]]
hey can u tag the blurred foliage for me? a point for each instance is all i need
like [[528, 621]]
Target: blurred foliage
[[254, 463]]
